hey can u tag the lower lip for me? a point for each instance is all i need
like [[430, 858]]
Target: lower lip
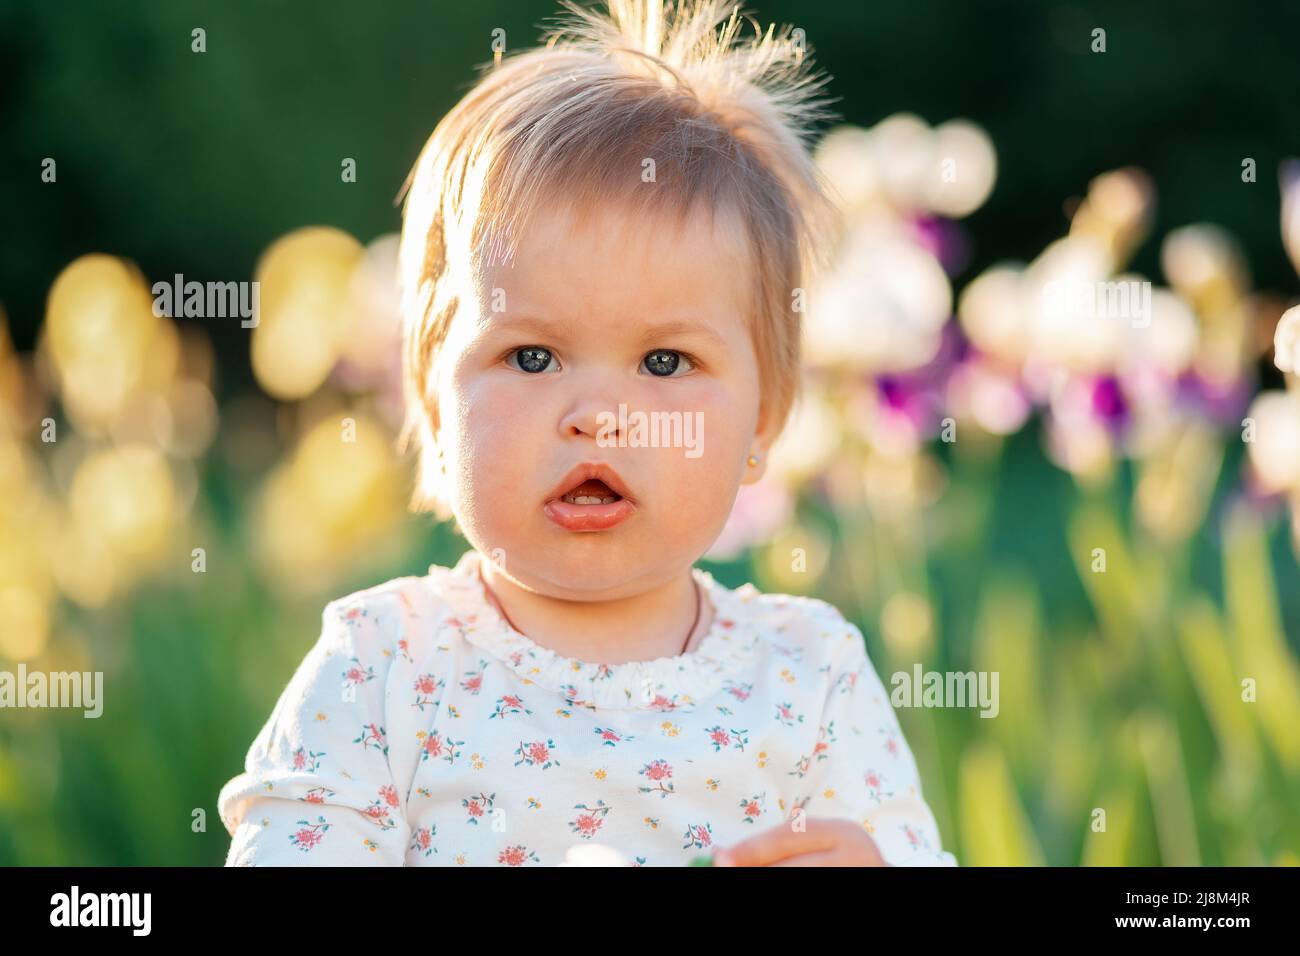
[[588, 517]]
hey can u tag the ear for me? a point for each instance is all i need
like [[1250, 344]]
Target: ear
[[765, 433]]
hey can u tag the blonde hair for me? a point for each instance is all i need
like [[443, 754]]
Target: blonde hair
[[727, 123]]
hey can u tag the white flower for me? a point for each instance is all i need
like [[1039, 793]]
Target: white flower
[[1286, 341], [1275, 448]]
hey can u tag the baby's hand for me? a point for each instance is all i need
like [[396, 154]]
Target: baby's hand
[[825, 842]]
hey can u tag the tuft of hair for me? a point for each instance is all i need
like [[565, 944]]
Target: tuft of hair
[[727, 117]]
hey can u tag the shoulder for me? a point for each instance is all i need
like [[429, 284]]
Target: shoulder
[[366, 639], [813, 628], [391, 607]]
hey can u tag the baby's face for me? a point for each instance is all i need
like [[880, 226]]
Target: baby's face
[[615, 310]]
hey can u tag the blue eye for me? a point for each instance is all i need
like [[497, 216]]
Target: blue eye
[[533, 359], [664, 362]]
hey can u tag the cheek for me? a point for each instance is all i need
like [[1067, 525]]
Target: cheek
[[490, 440], [702, 480], [727, 414]]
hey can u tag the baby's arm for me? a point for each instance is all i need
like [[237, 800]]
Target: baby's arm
[[863, 769], [317, 787], [863, 805]]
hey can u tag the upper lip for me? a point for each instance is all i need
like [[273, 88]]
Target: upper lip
[[585, 472]]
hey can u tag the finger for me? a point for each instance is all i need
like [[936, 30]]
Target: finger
[[823, 858], [777, 843]]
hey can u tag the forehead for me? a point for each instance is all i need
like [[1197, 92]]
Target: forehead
[[638, 261]]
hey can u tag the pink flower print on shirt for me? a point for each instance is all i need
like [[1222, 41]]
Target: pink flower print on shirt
[[875, 785], [611, 738], [698, 836], [356, 675], [658, 773], [847, 682], [800, 767], [509, 704], [915, 838], [516, 856], [426, 686], [825, 737], [380, 809], [588, 823], [307, 760], [785, 715], [317, 795], [739, 691], [663, 703], [535, 753], [753, 807], [438, 749], [721, 739], [372, 735], [310, 834], [798, 805], [794, 653], [473, 681], [571, 699], [478, 806], [891, 741], [422, 840], [404, 648]]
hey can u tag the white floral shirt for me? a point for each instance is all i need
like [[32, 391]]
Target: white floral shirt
[[421, 729]]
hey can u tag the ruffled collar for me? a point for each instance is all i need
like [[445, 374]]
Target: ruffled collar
[[664, 684]]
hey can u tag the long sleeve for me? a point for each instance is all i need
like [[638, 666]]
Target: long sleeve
[[317, 787], [861, 768]]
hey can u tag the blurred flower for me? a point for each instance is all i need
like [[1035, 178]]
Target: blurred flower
[[810, 439], [967, 169], [761, 510], [1205, 264], [1274, 452], [1290, 177], [103, 341], [125, 497], [305, 309], [981, 391], [370, 351], [1286, 342], [882, 306], [341, 492], [1116, 213]]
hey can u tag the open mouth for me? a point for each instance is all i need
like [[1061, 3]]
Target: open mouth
[[596, 499], [593, 491]]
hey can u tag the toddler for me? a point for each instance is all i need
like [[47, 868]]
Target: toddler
[[608, 231]]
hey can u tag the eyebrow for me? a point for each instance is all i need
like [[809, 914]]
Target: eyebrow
[[651, 335]]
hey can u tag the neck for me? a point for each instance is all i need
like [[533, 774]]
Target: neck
[[639, 627]]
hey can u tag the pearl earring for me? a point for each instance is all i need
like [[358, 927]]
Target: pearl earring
[[752, 461]]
